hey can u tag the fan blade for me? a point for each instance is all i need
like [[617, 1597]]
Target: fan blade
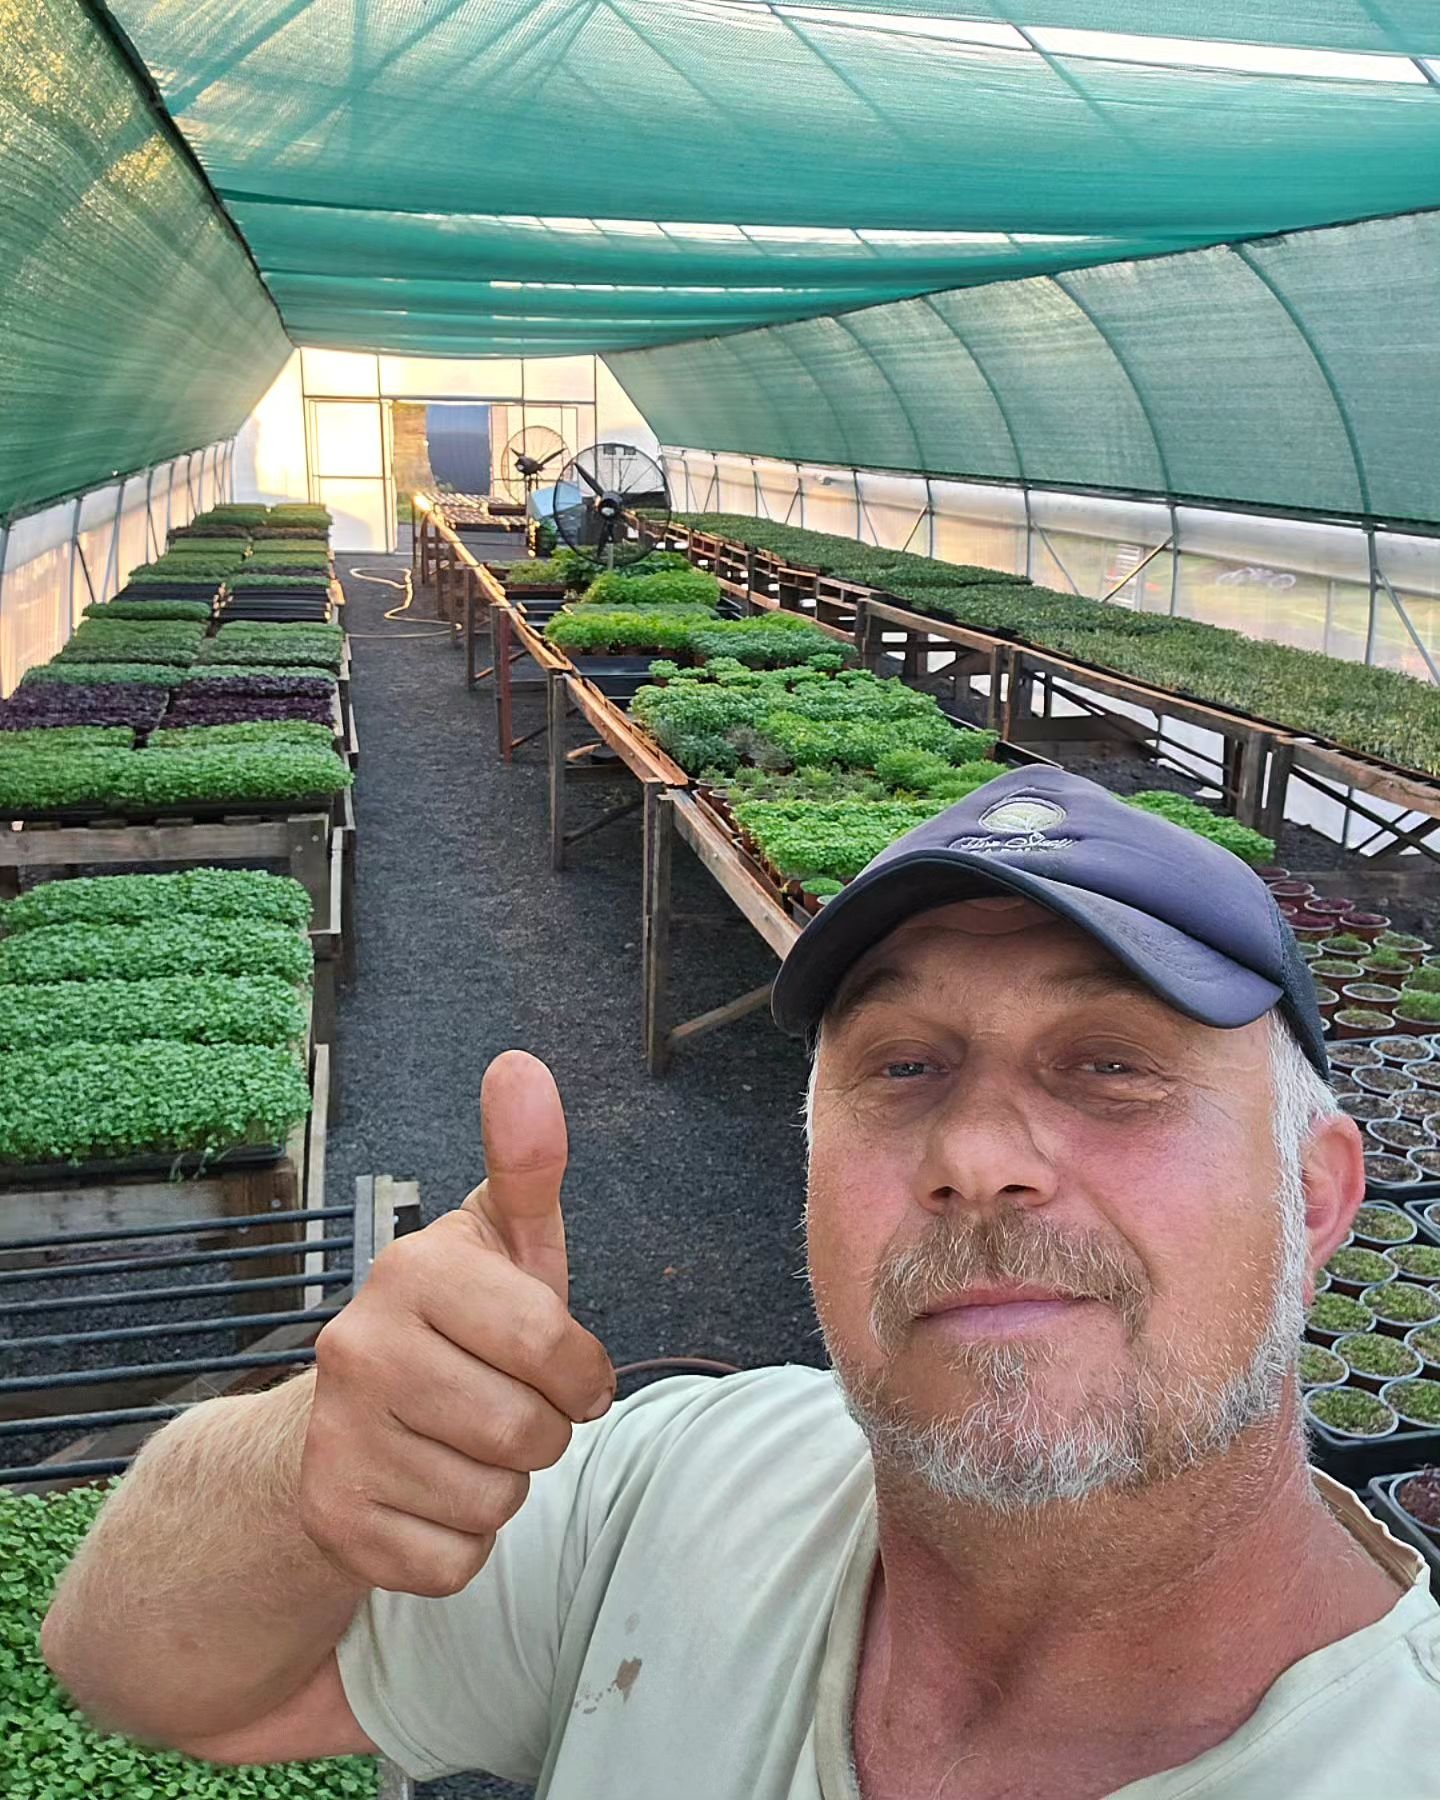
[[546, 461], [589, 480]]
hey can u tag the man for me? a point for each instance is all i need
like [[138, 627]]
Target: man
[[1074, 1167]]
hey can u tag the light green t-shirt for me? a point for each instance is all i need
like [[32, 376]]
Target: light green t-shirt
[[676, 1611]]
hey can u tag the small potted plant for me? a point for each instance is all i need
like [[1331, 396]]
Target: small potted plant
[[1406, 943], [1381, 1079], [1335, 968], [1403, 1048], [1354, 1056], [1373, 1359], [1345, 943], [1432, 1215], [1415, 1400], [1383, 1226], [1384, 1170], [1365, 1107], [1333, 906], [1425, 1341], [1415, 1261], [1360, 1021], [1289, 889], [1400, 1135], [1427, 1162], [1418, 1106], [1399, 1306], [1367, 925], [1419, 1498], [1319, 1368], [1331, 1316], [1383, 962], [1425, 1075], [1370, 993], [1416, 1007], [1353, 1268], [1326, 1000], [1351, 1412]]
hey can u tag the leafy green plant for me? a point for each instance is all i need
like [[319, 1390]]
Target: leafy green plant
[[1338, 1313], [1359, 1265], [1403, 1303], [1418, 1003], [1250, 846], [257, 731], [1352, 1411], [145, 899], [150, 611], [195, 1009], [541, 571], [1418, 1400], [70, 1102], [134, 641], [1317, 1367], [36, 780], [1420, 1261], [1426, 1339], [1381, 959], [1424, 980], [199, 571], [833, 839], [69, 737], [108, 674], [596, 631], [262, 645], [49, 1750], [249, 579], [234, 512], [1384, 1224], [268, 678], [1371, 1353], [85, 950], [664, 587], [299, 512]]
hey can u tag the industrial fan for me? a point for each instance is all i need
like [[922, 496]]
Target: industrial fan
[[525, 459], [597, 496]]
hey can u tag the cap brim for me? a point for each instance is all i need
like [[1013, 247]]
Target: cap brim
[[1203, 983]]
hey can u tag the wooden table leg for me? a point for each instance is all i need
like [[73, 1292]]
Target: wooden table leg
[[502, 686], [555, 696], [655, 928]]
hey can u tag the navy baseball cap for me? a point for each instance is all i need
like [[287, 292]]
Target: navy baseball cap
[[1186, 916]]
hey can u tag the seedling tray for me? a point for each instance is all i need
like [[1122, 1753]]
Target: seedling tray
[[216, 812], [1358, 1460], [184, 1165], [173, 590], [1416, 1209], [1380, 1494]]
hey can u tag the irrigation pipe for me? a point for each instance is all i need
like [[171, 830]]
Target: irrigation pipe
[[407, 587]]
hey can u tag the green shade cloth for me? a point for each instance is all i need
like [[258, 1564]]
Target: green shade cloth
[[1298, 373], [132, 324], [388, 161]]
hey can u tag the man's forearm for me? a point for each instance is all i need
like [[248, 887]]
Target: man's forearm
[[197, 1604]]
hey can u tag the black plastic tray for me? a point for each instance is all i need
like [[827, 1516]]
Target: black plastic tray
[[1379, 1495], [185, 1165], [1357, 1460]]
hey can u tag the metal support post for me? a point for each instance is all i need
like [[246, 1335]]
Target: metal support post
[[1372, 621], [655, 925], [1174, 558]]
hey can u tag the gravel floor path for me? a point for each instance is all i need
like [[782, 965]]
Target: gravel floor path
[[684, 1196]]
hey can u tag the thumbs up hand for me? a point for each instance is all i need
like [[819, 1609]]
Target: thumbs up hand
[[457, 1369]]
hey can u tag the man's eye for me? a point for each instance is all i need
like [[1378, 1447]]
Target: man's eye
[[1109, 1065], [904, 1071]]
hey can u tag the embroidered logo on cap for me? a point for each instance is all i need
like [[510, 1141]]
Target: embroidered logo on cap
[[1017, 826]]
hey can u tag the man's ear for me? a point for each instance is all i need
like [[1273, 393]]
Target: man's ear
[[1333, 1170]]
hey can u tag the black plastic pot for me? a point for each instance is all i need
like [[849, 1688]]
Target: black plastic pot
[[1355, 1461], [1380, 1494]]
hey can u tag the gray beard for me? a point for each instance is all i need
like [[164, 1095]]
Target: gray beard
[[1003, 1454]]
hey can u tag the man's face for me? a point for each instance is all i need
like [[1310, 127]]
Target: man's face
[[1044, 1229]]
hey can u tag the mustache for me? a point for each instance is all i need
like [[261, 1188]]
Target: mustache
[[1011, 1247]]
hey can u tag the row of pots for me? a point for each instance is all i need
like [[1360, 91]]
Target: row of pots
[[1373, 1331], [1313, 916], [1391, 1087]]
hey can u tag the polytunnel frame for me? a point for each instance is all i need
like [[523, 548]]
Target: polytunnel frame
[[221, 472], [1368, 527]]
